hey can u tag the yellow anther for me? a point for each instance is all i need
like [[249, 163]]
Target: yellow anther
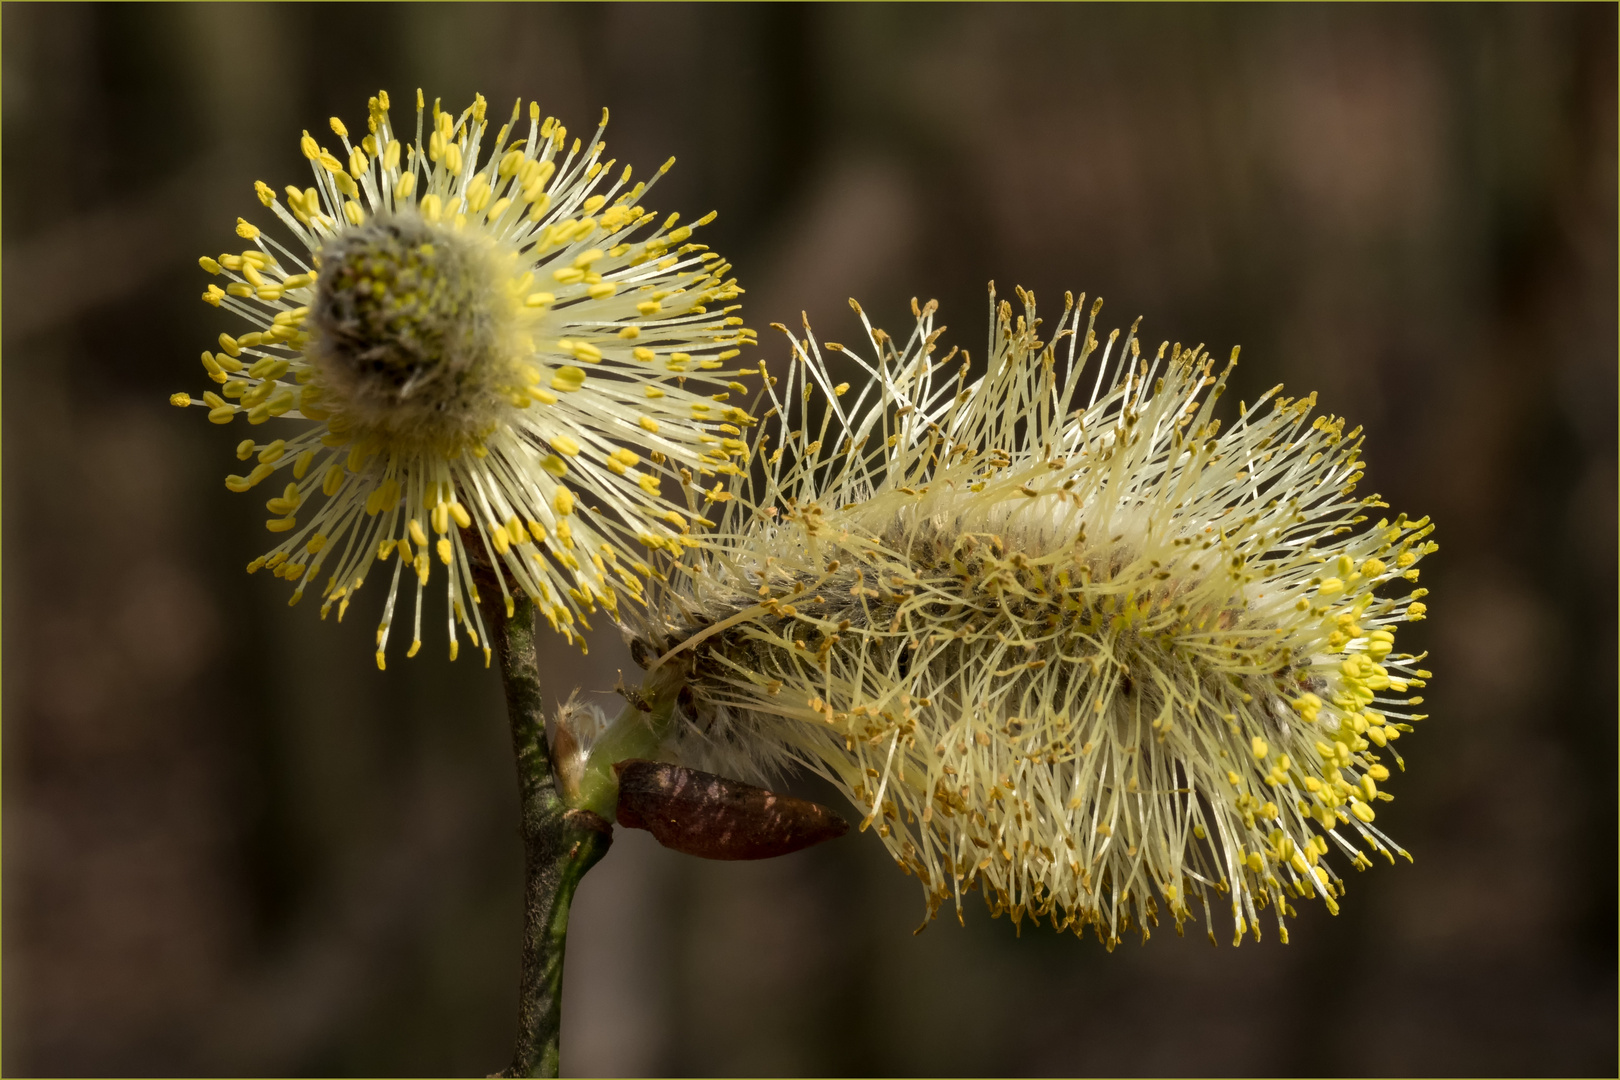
[[332, 481], [643, 354], [246, 229], [222, 414], [181, 399], [1330, 586], [414, 527], [569, 275], [648, 424], [269, 367], [1362, 812], [585, 258], [209, 265], [459, 513], [554, 465], [445, 550], [563, 502], [565, 445], [539, 299], [405, 186], [274, 452], [1258, 745], [568, 379], [284, 524], [541, 204], [602, 290]]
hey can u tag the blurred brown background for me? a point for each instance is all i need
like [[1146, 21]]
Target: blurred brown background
[[232, 846]]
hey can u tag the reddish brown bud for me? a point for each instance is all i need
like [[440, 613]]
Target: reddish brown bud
[[699, 813]]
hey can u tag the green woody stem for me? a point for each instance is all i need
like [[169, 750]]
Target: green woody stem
[[559, 844]]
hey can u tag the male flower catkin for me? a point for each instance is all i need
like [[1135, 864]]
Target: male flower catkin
[[1055, 633], [469, 338]]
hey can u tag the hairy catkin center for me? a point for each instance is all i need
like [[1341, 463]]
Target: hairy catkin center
[[965, 600], [408, 321]]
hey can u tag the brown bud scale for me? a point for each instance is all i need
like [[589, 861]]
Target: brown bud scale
[[712, 817]]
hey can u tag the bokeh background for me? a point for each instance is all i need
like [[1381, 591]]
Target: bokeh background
[[231, 846]]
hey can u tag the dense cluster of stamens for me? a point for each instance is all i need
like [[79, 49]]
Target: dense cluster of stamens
[[472, 338], [1054, 632]]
